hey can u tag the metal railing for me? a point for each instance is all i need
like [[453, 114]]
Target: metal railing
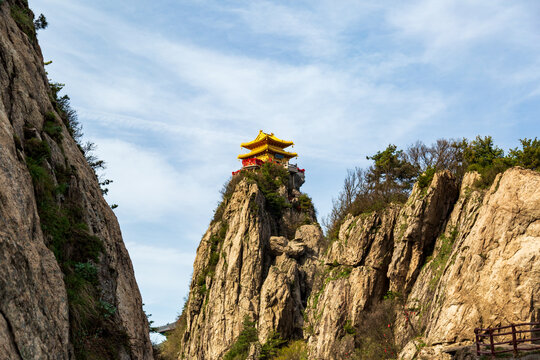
[[508, 339]]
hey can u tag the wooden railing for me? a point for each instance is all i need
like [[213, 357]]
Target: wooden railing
[[507, 339]]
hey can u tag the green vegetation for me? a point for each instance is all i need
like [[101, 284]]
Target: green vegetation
[[25, 21], [51, 127], [77, 251], [305, 203], [216, 241], [487, 159], [393, 172], [270, 177], [272, 346], [528, 156], [94, 331], [349, 328], [226, 193], [41, 22], [87, 271], [240, 349], [331, 273], [375, 335], [69, 117], [296, 350], [388, 180], [439, 261], [424, 180]]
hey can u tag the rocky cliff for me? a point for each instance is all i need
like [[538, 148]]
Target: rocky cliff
[[67, 288], [256, 261], [406, 281], [448, 260]]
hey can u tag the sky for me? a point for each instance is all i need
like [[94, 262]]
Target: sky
[[168, 90]]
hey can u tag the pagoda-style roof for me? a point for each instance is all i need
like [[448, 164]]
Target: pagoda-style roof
[[267, 148], [264, 138]]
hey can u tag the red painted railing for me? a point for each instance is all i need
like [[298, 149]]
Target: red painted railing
[[508, 335], [252, 162]]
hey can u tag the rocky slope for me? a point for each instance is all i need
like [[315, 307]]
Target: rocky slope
[[245, 268], [491, 272], [67, 287], [409, 280], [452, 261]]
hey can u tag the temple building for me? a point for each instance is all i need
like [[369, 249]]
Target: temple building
[[269, 148]]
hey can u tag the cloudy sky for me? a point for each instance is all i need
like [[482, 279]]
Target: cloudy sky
[[169, 89]]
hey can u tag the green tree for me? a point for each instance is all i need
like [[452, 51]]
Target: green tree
[[41, 22], [482, 153], [487, 159], [271, 347], [240, 349], [528, 156], [392, 175]]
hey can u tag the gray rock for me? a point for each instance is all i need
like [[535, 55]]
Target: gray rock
[[34, 314]]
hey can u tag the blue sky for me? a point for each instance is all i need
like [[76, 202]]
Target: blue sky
[[169, 89]]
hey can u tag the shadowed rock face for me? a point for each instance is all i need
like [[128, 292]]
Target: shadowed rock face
[[34, 313], [418, 225]]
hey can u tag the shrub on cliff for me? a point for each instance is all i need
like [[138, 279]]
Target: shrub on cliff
[[269, 178], [240, 349], [394, 171], [24, 18], [486, 158], [296, 350], [391, 174], [388, 180], [271, 347], [376, 332], [528, 156]]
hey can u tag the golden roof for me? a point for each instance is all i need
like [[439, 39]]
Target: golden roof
[[264, 138], [267, 148]]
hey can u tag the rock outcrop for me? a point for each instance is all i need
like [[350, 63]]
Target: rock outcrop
[[374, 253], [245, 267], [420, 275], [67, 287], [491, 272]]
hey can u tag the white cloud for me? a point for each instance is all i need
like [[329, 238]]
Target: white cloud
[[163, 277], [448, 28], [222, 96], [342, 79], [315, 28], [146, 185]]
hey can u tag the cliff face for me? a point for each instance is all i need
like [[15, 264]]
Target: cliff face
[[491, 276], [244, 269], [448, 260], [412, 278], [67, 287]]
